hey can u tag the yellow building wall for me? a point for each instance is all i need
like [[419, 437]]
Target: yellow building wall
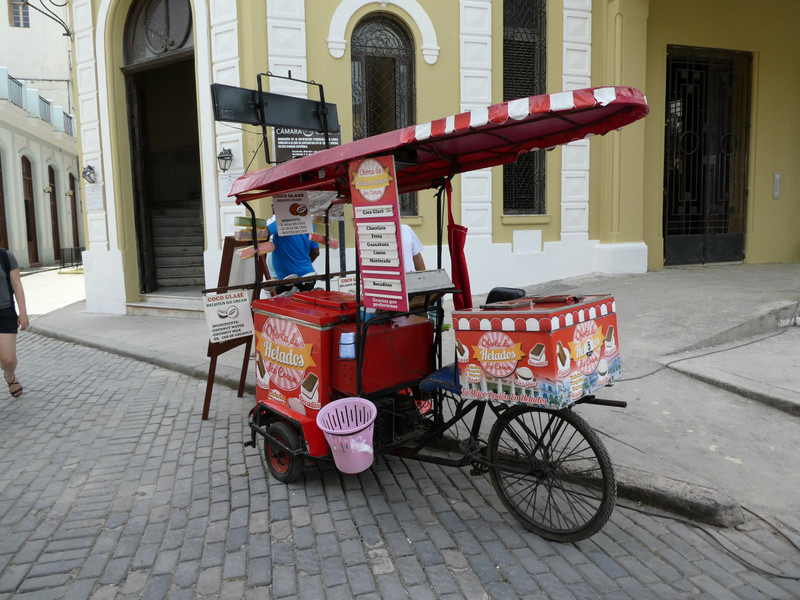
[[437, 85], [438, 88], [616, 179], [769, 30]]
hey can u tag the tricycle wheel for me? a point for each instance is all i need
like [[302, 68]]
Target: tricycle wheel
[[284, 466], [552, 472]]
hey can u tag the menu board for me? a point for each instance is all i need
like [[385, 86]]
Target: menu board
[[378, 237], [292, 213]]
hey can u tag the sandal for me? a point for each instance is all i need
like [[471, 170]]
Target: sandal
[[17, 392]]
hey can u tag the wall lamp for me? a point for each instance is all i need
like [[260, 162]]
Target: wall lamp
[[224, 159], [70, 193], [88, 174], [48, 190]]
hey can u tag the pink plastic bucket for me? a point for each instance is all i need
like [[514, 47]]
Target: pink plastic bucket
[[347, 424]]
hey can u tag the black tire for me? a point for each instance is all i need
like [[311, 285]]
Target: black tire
[[552, 472], [284, 466]]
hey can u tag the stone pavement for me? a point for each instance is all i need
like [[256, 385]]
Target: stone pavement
[[111, 487], [121, 491], [683, 444]]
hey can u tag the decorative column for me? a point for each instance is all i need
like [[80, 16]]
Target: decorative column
[[622, 248], [103, 270], [475, 39], [576, 74], [224, 34]]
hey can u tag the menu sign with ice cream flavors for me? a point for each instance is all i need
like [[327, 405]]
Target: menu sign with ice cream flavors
[[542, 353], [378, 238]]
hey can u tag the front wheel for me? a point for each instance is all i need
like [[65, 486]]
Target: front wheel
[[284, 466], [552, 472]]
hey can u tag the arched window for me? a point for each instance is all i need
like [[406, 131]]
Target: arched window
[[382, 55], [158, 29]]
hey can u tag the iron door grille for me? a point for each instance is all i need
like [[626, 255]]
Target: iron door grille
[[706, 155]]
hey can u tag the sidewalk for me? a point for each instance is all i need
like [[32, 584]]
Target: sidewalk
[[689, 337]]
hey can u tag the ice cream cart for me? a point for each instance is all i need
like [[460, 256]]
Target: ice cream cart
[[506, 405]]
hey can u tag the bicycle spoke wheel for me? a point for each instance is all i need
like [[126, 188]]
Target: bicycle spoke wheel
[[552, 472]]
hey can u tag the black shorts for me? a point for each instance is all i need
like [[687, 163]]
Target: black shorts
[[8, 320]]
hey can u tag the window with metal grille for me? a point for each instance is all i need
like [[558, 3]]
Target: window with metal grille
[[18, 14], [382, 59], [524, 54]]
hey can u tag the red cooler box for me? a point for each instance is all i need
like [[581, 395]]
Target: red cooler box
[[397, 352], [548, 352], [294, 355]]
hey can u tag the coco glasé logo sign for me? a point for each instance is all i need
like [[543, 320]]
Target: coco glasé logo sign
[[371, 180]]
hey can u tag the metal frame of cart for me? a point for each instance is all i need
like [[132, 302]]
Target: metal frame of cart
[[548, 466]]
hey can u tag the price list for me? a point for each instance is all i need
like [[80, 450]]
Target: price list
[[377, 219]]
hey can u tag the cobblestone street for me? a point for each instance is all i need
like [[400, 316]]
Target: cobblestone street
[[113, 488]]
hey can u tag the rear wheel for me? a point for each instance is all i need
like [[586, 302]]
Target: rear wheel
[[552, 472], [284, 466]]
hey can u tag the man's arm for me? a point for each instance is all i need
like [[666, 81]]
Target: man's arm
[[419, 263], [313, 254]]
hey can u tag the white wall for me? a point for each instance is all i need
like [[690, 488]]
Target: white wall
[[40, 55]]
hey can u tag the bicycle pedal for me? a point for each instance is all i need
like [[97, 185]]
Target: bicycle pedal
[[478, 469], [468, 446]]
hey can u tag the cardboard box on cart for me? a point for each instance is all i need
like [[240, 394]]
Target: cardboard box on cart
[[529, 351], [294, 338]]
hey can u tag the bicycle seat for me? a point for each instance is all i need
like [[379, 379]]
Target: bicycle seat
[[499, 294], [445, 378]]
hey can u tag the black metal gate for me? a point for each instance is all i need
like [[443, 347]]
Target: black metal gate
[[705, 155]]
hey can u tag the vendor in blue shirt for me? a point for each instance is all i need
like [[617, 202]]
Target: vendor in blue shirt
[[293, 256]]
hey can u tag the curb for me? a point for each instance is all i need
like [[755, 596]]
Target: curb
[[693, 501], [157, 359], [782, 404], [768, 322]]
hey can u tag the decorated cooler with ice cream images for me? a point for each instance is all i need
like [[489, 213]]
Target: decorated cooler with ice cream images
[[294, 350], [541, 351]]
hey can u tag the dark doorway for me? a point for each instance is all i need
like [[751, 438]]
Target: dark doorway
[[73, 204], [30, 212], [165, 150], [169, 200], [52, 195], [705, 155]]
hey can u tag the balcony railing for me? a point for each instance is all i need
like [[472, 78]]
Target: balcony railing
[[69, 124], [44, 110], [16, 91]]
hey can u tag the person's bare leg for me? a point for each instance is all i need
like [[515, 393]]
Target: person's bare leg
[[8, 362]]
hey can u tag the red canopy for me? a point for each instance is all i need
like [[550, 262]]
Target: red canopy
[[473, 140]]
